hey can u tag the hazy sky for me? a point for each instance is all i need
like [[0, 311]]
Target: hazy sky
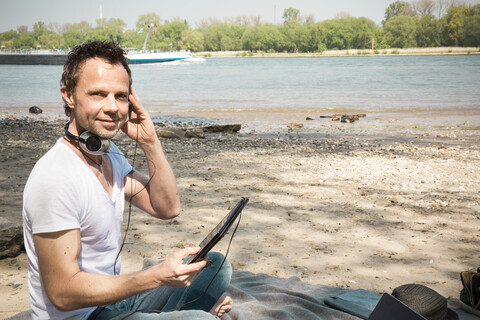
[[14, 13]]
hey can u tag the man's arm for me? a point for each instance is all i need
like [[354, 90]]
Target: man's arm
[[68, 288], [160, 197]]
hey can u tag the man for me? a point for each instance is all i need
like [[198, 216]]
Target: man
[[73, 209]]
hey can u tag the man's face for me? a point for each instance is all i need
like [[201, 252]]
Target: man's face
[[101, 98]]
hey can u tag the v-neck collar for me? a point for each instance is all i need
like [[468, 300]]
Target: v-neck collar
[[112, 197]]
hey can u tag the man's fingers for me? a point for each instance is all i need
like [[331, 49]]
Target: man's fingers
[[191, 250], [135, 101]]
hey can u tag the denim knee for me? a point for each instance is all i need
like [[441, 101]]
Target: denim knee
[[216, 259]]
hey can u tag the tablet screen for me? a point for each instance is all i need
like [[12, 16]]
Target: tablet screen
[[218, 232]]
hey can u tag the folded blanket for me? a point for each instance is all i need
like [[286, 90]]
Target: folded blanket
[[260, 296]]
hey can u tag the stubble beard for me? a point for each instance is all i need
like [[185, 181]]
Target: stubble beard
[[105, 134]]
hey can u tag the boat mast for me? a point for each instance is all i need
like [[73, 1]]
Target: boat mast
[[146, 39]]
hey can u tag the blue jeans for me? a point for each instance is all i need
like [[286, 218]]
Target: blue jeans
[[167, 303]]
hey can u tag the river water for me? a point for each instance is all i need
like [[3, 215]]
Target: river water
[[248, 88]]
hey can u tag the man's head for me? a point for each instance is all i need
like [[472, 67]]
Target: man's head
[[108, 51]]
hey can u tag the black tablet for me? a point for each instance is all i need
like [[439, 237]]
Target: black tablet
[[391, 308], [218, 232]]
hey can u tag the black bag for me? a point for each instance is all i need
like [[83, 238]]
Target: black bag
[[470, 294]]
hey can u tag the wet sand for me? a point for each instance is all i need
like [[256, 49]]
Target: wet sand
[[373, 204]]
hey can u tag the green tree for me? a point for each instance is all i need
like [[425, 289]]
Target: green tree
[[428, 32], [266, 37], [396, 9], [51, 40], [340, 33], [146, 19], [83, 27], [212, 36], [39, 29], [8, 38], [24, 41], [192, 40], [319, 35], [298, 37], [231, 39], [96, 34], [107, 30], [131, 39], [76, 35], [380, 39], [453, 25], [291, 15], [8, 35], [364, 31], [400, 31], [223, 36], [471, 28], [72, 38], [171, 33], [7, 44]]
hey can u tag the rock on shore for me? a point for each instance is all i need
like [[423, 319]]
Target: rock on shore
[[11, 238]]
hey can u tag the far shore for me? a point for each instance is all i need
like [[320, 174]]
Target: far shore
[[341, 53]]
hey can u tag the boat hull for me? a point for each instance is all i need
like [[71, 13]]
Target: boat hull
[[152, 61], [156, 57], [33, 59], [60, 58]]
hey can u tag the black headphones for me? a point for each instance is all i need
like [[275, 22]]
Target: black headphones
[[89, 142]]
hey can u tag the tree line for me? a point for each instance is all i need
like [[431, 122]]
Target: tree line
[[419, 23]]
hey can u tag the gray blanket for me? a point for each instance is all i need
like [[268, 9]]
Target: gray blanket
[[260, 296]]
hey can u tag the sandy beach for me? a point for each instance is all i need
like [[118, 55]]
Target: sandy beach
[[372, 205], [341, 53]]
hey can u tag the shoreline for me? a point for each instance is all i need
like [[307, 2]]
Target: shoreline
[[301, 121], [359, 209], [343, 53]]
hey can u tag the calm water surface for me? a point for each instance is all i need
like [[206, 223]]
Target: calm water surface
[[371, 84]]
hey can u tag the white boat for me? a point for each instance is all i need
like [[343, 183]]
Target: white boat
[[143, 56], [135, 57]]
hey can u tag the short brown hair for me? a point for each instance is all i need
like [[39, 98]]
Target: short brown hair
[[77, 57]]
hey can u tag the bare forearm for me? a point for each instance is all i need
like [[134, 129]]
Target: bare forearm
[[162, 187], [160, 199], [89, 290]]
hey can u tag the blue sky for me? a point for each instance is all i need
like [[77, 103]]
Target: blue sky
[[14, 13]]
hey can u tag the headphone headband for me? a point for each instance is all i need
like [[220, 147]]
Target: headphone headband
[[68, 134]]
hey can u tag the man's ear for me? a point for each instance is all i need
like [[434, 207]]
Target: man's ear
[[67, 97]]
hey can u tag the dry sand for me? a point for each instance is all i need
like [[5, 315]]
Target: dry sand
[[341, 53], [349, 208]]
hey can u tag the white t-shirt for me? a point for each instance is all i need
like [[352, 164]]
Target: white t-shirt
[[63, 193]]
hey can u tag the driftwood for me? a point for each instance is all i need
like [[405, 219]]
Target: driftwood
[[197, 132], [346, 118], [228, 128]]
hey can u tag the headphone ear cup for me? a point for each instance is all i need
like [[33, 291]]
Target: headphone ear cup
[[93, 144]]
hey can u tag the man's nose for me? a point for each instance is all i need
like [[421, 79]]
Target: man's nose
[[111, 104]]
